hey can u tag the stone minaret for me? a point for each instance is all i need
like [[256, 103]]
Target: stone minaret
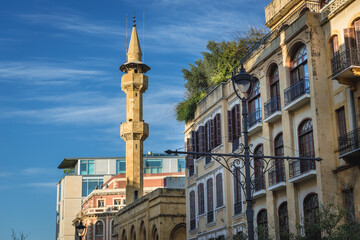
[[134, 131]]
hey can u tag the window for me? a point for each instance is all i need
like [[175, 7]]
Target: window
[[87, 167], [348, 196], [120, 166], [89, 184], [306, 145], [237, 191], [259, 168], [201, 200], [210, 200], [279, 163], [311, 216], [262, 225], [181, 165], [335, 45], [101, 203], [99, 228], [153, 166], [283, 221], [255, 101], [219, 190], [298, 65], [341, 121], [275, 88], [192, 210], [117, 201], [234, 126]]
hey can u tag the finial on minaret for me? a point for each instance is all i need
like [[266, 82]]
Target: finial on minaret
[[134, 20]]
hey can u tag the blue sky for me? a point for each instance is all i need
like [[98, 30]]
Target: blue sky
[[60, 87]]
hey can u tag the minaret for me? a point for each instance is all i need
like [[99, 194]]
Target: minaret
[[134, 131]]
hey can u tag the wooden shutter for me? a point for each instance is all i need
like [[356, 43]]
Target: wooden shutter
[[230, 126], [237, 121], [207, 137], [340, 115], [218, 129], [188, 148], [212, 134], [202, 142], [357, 38], [350, 43], [335, 45]]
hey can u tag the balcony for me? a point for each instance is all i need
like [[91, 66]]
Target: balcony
[[277, 176], [259, 186], [254, 121], [349, 147], [272, 110], [333, 7], [301, 170], [235, 145], [297, 95], [345, 66]]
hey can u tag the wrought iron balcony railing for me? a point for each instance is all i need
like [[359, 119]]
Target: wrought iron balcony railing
[[349, 142], [277, 175], [258, 183], [210, 216], [235, 145], [237, 208], [297, 168], [192, 224], [296, 90], [254, 117], [271, 106], [345, 59]]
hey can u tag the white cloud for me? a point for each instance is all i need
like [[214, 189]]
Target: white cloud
[[37, 171], [42, 184]]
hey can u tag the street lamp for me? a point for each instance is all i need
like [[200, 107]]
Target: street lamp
[[80, 230], [244, 82]]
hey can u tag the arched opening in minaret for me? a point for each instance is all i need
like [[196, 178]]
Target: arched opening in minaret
[[135, 195]]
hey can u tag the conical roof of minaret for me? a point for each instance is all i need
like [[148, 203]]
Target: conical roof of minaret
[[134, 53]]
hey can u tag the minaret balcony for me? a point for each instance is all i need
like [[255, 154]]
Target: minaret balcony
[[134, 130], [134, 82]]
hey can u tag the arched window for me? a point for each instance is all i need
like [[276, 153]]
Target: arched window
[[124, 237], [237, 191], [201, 200], [133, 233], [192, 210], [155, 235], [262, 225], [279, 163], [311, 216], [142, 231], [258, 168], [274, 83], [112, 225], [219, 190], [99, 228], [298, 65], [335, 45], [283, 221], [306, 145], [255, 101], [210, 200]]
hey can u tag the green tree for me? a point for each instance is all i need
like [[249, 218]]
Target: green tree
[[15, 236], [215, 67]]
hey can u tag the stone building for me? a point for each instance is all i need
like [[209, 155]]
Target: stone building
[[304, 103], [88, 174]]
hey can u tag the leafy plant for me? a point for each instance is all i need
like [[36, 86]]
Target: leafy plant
[[15, 236]]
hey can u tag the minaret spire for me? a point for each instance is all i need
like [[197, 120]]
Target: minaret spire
[[134, 131]]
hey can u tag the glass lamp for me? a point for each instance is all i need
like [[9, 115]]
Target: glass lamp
[[242, 79]]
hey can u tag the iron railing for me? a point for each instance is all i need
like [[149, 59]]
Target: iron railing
[[192, 224], [345, 59], [258, 183], [237, 208], [296, 90], [254, 117], [297, 167], [277, 175], [349, 142], [235, 145], [210, 216], [271, 106]]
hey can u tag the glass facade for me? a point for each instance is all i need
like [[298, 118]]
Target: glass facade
[[88, 185], [87, 167], [120, 166], [153, 166], [181, 165]]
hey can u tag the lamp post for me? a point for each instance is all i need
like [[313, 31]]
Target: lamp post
[[244, 82], [80, 230]]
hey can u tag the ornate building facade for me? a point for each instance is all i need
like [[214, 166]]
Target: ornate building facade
[[304, 102]]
